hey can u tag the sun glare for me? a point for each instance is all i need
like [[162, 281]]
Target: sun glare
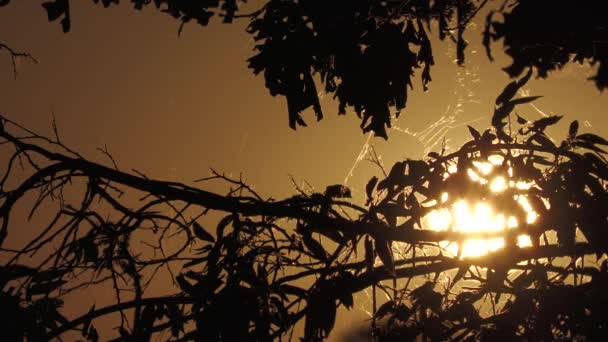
[[470, 216]]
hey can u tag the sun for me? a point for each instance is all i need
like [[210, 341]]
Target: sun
[[473, 216]]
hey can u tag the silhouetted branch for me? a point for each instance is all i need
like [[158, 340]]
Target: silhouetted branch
[[300, 258], [16, 56]]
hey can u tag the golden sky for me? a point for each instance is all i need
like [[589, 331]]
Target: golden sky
[[174, 107]]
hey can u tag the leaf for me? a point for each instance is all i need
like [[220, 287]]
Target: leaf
[[474, 133], [369, 188], [544, 141], [511, 89], [369, 254], [55, 9], [503, 136], [524, 100], [66, 24], [397, 171], [175, 319], [383, 249], [426, 296], [402, 312], [462, 271], [293, 290], [521, 120], [573, 129], [314, 247], [417, 168], [433, 155], [488, 136], [93, 336], [11, 272], [346, 297], [44, 288], [185, 285], [385, 309], [49, 275], [224, 222], [337, 191], [194, 262], [522, 81], [541, 124], [501, 113], [201, 233], [507, 93], [592, 138], [590, 146], [320, 315]]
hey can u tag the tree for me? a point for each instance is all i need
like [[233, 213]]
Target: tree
[[365, 52], [269, 265]]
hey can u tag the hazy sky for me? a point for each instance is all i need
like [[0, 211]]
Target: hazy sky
[[174, 107]]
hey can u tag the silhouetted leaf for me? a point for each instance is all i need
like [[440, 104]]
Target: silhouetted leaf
[[320, 316], [474, 133], [588, 145], [511, 89], [540, 124], [369, 254], [201, 233], [544, 141], [369, 189], [383, 249], [433, 155], [315, 248], [426, 297], [592, 138], [385, 309], [14, 271], [524, 100], [66, 24], [521, 120], [394, 175], [185, 285], [462, 271], [45, 287], [501, 113], [337, 191], [573, 130], [347, 300], [55, 9]]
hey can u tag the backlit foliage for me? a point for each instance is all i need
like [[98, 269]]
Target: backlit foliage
[[265, 265]]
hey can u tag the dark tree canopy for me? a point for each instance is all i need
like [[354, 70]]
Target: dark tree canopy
[[365, 52], [270, 264]]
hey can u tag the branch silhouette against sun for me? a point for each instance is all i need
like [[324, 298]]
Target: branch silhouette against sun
[[268, 265], [366, 52]]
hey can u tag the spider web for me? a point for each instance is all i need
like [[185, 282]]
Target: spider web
[[435, 133]]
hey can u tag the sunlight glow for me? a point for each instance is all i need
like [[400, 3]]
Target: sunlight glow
[[470, 216], [498, 184], [464, 217]]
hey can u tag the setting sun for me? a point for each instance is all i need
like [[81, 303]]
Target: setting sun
[[473, 215]]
